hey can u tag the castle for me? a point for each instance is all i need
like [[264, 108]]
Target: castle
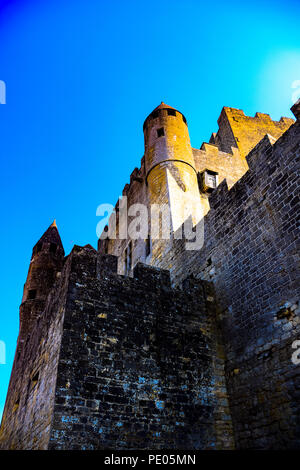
[[145, 344]]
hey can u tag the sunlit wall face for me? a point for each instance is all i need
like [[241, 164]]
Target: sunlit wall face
[[80, 79]]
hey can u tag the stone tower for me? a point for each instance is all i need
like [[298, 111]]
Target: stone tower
[[170, 172], [27, 388], [46, 261]]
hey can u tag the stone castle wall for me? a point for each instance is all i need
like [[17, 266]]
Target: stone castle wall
[[29, 405], [244, 132], [250, 255], [224, 154], [153, 361], [141, 363], [118, 362]]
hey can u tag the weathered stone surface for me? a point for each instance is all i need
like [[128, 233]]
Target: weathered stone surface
[[194, 351], [251, 256], [137, 364]]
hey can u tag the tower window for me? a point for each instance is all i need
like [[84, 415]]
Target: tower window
[[106, 246], [148, 246], [16, 405], [34, 379], [160, 132], [128, 258], [154, 114], [31, 294], [171, 112], [53, 247], [184, 120]]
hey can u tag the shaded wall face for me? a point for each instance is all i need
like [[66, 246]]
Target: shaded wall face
[[29, 404], [250, 255], [136, 193], [42, 274], [140, 364]]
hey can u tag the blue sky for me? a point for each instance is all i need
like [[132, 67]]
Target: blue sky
[[81, 76]]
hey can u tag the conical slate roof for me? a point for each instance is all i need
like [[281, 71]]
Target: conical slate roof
[[51, 235], [163, 106]]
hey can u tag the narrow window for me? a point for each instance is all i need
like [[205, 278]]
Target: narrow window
[[16, 405], [35, 379], [125, 261], [171, 112], [128, 258], [53, 247], [160, 132], [148, 246], [184, 120], [32, 294]]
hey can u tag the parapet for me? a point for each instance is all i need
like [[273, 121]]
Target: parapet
[[152, 275], [218, 195], [296, 109], [106, 265], [137, 175], [265, 147], [244, 132]]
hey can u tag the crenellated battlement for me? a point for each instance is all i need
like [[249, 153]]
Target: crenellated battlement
[[244, 132]]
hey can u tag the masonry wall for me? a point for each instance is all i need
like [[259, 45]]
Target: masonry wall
[[244, 132], [136, 193], [250, 254], [29, 404], [141, 363], [229, 166], [225, 154]]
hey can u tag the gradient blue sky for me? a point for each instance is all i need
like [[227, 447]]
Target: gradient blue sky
[[82, 76]]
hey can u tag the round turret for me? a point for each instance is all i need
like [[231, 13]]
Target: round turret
[[46, 261], [169, 164], [166, 137]]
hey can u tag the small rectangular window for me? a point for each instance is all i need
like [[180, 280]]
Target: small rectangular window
[[184, 120], [53, 247], [160, 132], [126, 261], [32, 294], [128, 258], [171, 112], [208, 180], [148, 246]]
